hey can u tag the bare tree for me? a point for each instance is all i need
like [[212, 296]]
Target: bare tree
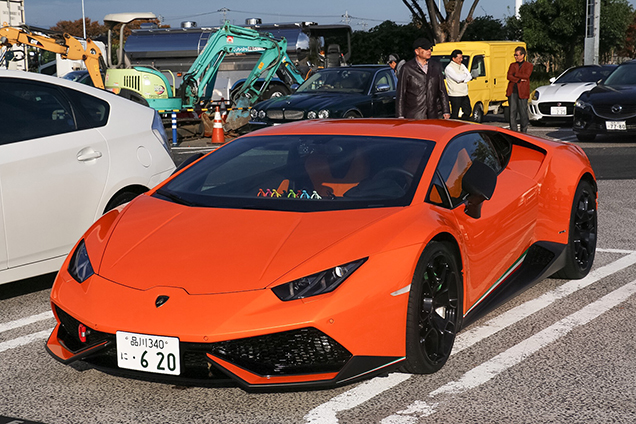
[[441, 28]]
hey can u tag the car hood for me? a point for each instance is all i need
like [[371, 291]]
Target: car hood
[[309, 101], [602, 94], [564, 92], [209, 250]]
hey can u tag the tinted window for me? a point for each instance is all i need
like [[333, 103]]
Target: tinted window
[[304, 173], [585, 74], [623, 75], [478, 66], [459, 155], [91, 112], [32, 110], [385, 78]]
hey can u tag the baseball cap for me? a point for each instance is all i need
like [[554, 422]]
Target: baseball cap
[[424, 43], [391, 58]]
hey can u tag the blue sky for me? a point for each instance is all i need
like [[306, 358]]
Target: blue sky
[[365, 13]]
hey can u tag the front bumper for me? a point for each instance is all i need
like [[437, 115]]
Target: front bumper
[[543, 111], [588, 121]]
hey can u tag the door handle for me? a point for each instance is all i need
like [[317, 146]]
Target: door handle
[[88, 154]]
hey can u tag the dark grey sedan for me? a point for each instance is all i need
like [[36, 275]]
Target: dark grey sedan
[[360, 91]]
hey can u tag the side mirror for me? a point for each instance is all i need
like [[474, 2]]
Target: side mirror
[[294, 87], [474, 73], [479, 182], [382, 88], [552, 80]]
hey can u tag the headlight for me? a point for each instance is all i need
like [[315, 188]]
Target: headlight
[[80, 266], [261, 114], [311, 115], [159, 131], [254, 113], [323, 114], [315, 284], [535, 95], [580, 104]]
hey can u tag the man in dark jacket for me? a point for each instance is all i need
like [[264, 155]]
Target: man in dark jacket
[[421, 92], [518, 90]]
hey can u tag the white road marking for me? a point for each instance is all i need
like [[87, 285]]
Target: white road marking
[[515, 355], [327, 412], [25, 321], [24, 340]]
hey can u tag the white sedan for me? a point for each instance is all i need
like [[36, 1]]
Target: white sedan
[[556, 101], [68, 153]]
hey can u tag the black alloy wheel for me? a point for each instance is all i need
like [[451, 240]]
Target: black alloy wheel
[[435, 309], [582, 235]]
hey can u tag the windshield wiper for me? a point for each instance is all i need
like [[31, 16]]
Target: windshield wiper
[[176, 198]]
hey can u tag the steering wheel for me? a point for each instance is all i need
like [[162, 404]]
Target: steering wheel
[[396, 174]]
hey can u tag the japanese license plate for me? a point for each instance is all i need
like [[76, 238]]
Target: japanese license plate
[[615, 125], [558, 110], [143, 352]]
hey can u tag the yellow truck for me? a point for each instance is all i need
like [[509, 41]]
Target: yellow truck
[[488, 62]]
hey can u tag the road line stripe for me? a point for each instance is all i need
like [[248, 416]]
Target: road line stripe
[[468, 338], [11, 325], [24, 340], [627, 252], [327, 412], [516, 354]]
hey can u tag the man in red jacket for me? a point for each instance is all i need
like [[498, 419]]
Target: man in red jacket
[[518, 90]]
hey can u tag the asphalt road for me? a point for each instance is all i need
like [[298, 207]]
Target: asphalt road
[[562, 352]]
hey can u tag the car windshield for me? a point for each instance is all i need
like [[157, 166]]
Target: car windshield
[[623, 75], [345, 80], [304, 173], [584, 74]]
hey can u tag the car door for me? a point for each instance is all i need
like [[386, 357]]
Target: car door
[[495, 241], [479, 86], [383, 98], [53, 168]]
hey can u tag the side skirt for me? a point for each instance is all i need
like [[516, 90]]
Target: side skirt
[[541, 261]]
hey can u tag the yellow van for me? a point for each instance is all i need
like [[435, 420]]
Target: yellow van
[[488, 62]]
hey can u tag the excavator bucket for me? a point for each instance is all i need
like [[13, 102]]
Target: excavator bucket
[[239, 115]]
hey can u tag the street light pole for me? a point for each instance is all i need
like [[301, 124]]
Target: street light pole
[[83, 20], [592, 31]]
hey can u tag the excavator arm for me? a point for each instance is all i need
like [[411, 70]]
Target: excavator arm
[[68, 48], [238, 40]]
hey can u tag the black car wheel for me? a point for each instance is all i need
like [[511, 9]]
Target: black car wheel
[[478, 113], [582, 237], [434, 311], [120, 199], [351, 115]]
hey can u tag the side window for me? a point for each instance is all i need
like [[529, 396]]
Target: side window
[[459, 155], [479, 66], [29, 110], [92, 112], [384, 78], [502, 145]]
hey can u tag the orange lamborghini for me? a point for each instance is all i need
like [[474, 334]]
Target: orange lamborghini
[[323, 252]]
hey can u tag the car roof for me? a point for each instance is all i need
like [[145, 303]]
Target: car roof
[[370, 67], [430, 129]]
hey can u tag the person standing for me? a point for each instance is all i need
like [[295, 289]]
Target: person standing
[[457, 76], [421, 92], [518, 90], [395, 63]]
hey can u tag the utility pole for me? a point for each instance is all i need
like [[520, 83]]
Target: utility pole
[[347, 17], [592, 31]]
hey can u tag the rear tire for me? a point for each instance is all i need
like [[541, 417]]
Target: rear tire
[[582, 236], [434, 310], [478, 113], [351, 115]]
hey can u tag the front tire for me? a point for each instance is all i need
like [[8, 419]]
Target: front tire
[[478, 113], [582, 236], [434, 310]]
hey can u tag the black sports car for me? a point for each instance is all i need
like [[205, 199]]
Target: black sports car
[[344, 92], [610, 107]]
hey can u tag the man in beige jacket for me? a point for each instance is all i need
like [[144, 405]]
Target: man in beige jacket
[[457, 76]]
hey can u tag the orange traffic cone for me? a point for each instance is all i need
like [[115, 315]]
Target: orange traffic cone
[[218, 134]]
